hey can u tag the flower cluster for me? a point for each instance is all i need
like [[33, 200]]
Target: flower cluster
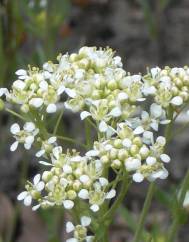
[[94, 83]]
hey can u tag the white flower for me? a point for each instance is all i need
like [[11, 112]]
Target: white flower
[[26, 197]]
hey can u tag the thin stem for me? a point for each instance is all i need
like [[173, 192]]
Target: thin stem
[[175, 225], [147, 203], [88, 134], [15, 114], [73, 141], [122, 193], [58, 122]]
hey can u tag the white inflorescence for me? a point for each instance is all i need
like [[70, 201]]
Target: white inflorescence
[[97, 86]]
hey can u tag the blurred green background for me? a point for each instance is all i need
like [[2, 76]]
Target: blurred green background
[[144, 33]]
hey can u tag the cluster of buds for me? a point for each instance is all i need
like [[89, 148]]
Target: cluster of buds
[[138, 154], [94, 83], [168, 85]]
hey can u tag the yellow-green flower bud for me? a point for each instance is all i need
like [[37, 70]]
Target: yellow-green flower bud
[[76, 185], [112, 85], [71, 194], [105, 159], [137, 141], [118, 143], [134, 149], [122, 154], [47, 175], [113, 153], [116, 164]]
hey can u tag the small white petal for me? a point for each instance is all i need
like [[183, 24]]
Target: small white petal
[[34, 208], [164, 175], [52, 140], [122, 96], [40, 153], [156, 110], [29, 126], [28, 200], [116, 112], [40, 186], [161, 140], [77, 158], [155, 71], [70, 92], [165, 158], [15, 128], [103, 127], [29, 140], [84, 115], [177, 101], [138, 177], [22, 195], [14, 146], [138, 130], [36, 179], [92, 153], [111, 194], [43, 85], [84, 179], [154, 125], [27, 146], [151, 160], [60, 90], [21, 72], [68, 204], [45, 163], [89, 238], [103, 181], [51, 108], [36, 102], [83, 194], [141, 99], [72, 240], [69, 227], [19, 85], [3, 91], [85, 221], [94, 207]]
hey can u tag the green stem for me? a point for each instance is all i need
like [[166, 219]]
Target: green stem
[[175, 225], [15, 114], [73, 141], [88, 134], [58, 122], [147, 203], [122, 193]]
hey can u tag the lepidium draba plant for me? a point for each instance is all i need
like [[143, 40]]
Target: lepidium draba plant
[[125, 110]]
